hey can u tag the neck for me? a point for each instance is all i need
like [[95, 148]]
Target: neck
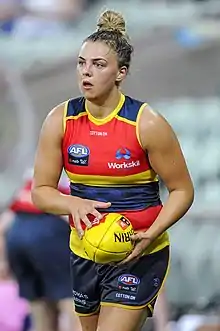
[[102, 108]]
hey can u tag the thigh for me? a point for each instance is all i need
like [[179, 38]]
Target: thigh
[[85, 286], [118, 319], [137, 284], [44, 315], [161, 312], [89, 323], [69, 321]]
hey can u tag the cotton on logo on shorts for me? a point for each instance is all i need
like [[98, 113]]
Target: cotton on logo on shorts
[[125, 296]]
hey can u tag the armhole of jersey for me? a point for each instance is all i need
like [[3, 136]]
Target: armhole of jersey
[[65, 115], [137, 123]]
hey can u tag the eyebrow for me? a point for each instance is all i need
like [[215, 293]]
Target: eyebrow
[[94, 59]]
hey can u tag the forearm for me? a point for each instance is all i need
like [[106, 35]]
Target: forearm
[[50, 200], [177, 204]]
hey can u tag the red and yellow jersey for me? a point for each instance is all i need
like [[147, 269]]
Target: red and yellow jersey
[[105, 161]]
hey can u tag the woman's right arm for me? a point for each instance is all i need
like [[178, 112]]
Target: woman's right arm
[[48, 166], [47, 171]]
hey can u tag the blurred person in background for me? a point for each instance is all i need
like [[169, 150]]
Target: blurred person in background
[[9, 296], [36, 246], [101, 139], [9, 11], [39, 18]]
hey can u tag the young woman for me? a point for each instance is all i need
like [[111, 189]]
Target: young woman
[[112, 148]]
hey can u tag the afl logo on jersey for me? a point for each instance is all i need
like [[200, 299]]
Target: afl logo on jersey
[[78, 155]]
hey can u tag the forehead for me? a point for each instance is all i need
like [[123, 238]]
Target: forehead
[[91, 50]]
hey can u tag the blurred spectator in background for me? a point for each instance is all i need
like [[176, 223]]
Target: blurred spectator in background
[[9, 11], [37, 18], [38, 256], [10, 302]]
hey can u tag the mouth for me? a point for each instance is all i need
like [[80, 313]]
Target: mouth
[[87, 85]]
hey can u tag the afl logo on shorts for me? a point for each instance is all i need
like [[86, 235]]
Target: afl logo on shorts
[[78, 155], [127, 279]]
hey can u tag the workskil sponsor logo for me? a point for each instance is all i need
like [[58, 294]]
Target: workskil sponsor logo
[[124, 165]]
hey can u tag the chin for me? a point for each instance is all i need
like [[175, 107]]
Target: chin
[[90, 96]]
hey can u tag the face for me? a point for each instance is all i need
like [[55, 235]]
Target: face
[[98, 70]]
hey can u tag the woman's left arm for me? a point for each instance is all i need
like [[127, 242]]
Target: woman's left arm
[[167, 160]]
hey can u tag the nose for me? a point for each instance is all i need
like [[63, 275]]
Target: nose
[[87, 72]]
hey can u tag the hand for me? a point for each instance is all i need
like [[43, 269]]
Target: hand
[[80, 208], [142, 242]]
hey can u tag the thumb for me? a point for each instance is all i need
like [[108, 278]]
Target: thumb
[[100, 204], [136, 236]]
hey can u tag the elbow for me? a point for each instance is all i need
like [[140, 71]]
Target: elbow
[[36, 196], [189, 195], [184, 194], [191, 191]]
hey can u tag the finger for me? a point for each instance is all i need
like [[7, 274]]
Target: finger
[[134, 255], [77, 223], [136, 237], [86, 221], [96, 214], [100, 204]]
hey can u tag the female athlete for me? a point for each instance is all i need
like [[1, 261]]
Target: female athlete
[[113, 148]]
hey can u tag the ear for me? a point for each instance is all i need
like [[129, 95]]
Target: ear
[[122, 73]]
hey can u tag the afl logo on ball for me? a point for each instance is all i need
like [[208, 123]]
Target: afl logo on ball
[[78, 155], [123, 223]]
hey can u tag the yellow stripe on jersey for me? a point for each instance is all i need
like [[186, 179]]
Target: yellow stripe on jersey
[[137, 124], [100, 121], [134, 123], [76, 117], [123, 119], [64, 115], [95, 180]]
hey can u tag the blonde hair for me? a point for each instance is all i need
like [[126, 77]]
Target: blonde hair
[[111, 29], [112, 21]]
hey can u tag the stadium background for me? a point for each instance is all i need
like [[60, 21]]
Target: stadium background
[[176, 69]]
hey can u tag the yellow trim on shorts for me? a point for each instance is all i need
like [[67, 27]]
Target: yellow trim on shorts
[[89, 314], [150, 308], [164, 280], [146, 305]]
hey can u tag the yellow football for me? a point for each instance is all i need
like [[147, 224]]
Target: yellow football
[[109, 239]]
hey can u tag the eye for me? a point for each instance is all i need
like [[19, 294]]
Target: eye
[[99, 65], [81, 62]]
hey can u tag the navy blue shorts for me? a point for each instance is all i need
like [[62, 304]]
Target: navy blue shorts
[[135, 285], [38, 253]]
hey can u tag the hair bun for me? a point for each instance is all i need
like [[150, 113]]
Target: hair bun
[[112, 21]]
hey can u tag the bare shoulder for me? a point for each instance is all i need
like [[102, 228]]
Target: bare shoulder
[[56, 114], [154, 128], [54, 120]]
